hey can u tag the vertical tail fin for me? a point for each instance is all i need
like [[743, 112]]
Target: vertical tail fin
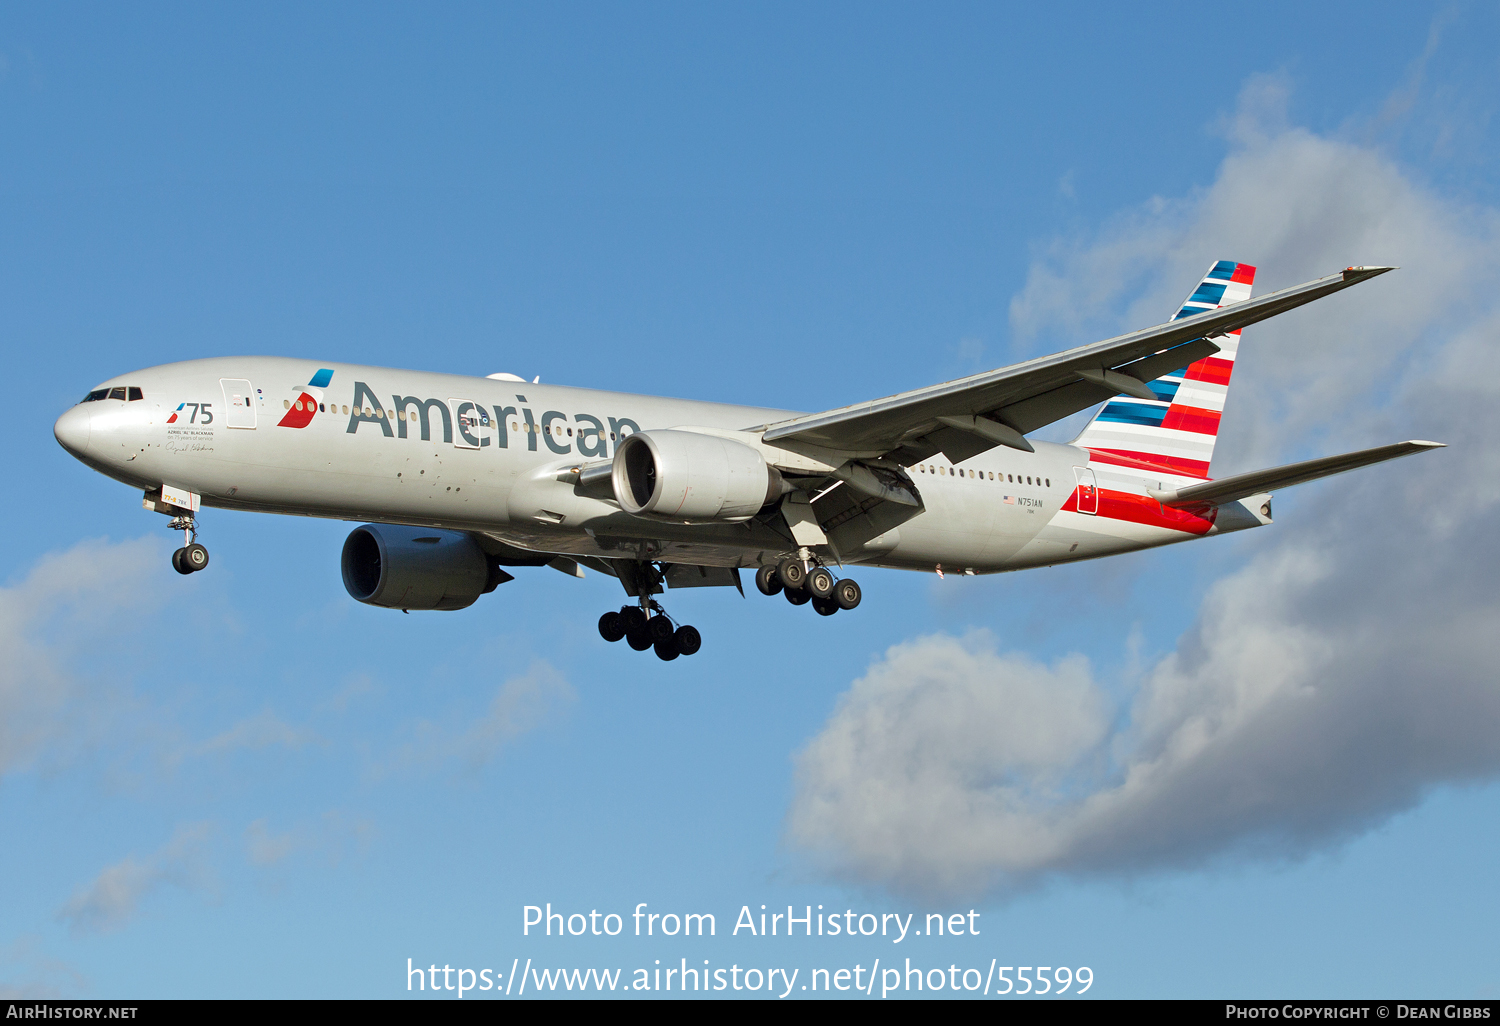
[[1175, 434]]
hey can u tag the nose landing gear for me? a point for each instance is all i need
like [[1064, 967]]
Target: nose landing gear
[[192, 557]]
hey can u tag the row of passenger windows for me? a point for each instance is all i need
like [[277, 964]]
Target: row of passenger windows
[[127, 393], [926, 468]]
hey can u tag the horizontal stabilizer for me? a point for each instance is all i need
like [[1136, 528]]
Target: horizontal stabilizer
[[1216, 493]]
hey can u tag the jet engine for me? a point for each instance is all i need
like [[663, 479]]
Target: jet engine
[[417, 568], [683, 476]]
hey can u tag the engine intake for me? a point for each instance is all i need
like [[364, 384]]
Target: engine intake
[[684, 476], [417, 568]]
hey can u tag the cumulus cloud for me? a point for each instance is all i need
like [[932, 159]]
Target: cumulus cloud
[[46, 622], [1342, 673], [111, 900]]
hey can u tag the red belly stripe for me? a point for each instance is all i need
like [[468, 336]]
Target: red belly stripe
[[1142, 509]]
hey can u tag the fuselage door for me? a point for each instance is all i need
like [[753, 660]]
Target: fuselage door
[[239, 403], [1088, 491], [471, 424]]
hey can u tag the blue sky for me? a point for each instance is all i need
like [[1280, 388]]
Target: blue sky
[[246, 784]]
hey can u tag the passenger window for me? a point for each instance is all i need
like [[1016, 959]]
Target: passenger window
[[136, 395], [117, 393], [286, 404], [1049, 482]]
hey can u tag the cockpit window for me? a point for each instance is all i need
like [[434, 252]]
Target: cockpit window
[[117, 393], [96, 395], [135, 393]]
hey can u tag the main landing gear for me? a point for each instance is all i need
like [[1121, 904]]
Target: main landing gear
[[802, 585], [648, 626], [192, 557]]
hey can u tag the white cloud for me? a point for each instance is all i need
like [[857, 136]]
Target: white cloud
[[521, 704], [330, 836], [263, 730], [111, 900], [265, 848], [48, 623], [1335, 679], [945, 746], [29, 973]]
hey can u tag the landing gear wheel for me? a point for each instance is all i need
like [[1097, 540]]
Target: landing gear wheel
[[666, 649], [847, 594], [634, 618], [688, 640], [611, 626], [825, 606], [660, 628], [820, 583], [639, 640], [194, 557], [177, 563], [791, 573], [797, 596], [767, 580]]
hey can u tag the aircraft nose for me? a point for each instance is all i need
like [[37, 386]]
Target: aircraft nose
[[73, 428]]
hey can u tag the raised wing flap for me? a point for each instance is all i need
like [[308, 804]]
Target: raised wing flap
[[1216, 493], [1029, 395]]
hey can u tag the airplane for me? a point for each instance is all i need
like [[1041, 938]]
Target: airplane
[[460, 478]]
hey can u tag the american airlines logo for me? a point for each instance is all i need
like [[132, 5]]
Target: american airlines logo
[[299, 411]]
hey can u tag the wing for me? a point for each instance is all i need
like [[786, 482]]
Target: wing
[[965, 417]]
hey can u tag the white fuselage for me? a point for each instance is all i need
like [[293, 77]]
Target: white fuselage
[[493, 456]]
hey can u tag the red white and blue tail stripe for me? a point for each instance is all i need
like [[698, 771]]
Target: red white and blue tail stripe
[[1175, 433]]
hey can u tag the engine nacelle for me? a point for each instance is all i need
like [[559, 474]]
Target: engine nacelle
[[416, 567], [685, 476]]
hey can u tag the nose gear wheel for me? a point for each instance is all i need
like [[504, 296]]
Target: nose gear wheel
[[192, 557]]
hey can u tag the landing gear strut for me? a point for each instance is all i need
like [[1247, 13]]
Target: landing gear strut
[[647, 625], [801, 585], [192, 557]]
